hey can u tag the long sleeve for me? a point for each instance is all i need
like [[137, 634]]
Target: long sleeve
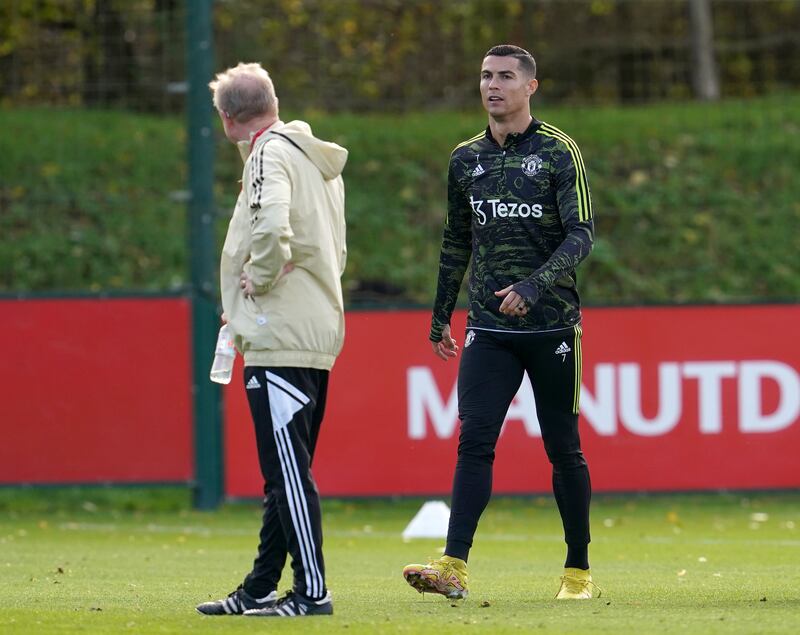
[[269, 195], [575, 209], [454, 256]]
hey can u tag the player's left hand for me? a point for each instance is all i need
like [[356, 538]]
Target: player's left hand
[[246, 285], [513, 303]]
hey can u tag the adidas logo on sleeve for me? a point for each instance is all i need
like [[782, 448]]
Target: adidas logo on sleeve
[[253, 384]]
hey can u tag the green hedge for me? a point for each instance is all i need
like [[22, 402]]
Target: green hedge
[[693, 202]]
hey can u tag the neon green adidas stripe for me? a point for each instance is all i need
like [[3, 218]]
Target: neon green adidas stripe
[[581, 183], [578, 353], [472, 140]]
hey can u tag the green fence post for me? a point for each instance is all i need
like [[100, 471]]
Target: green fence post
[[208, 492]]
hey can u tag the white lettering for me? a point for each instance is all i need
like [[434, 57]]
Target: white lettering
[[476, 208], [600, 409], [709, 377], [503, 210], [425, 402], [751, 416], [630, 402], [617, 397]]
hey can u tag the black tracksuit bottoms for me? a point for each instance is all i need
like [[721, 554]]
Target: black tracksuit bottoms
[[287, 406], [491, 371]]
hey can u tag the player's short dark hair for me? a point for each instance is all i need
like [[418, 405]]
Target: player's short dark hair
[[526, 61]]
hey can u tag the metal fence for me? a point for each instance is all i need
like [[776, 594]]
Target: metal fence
[[399, 55]]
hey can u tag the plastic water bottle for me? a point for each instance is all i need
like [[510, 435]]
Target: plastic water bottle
[[225, 353]]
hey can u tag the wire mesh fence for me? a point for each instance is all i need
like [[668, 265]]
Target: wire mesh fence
[[399, 55], [92, 53]]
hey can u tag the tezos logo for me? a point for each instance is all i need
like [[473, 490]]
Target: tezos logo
[[504, 210], [531, 164]]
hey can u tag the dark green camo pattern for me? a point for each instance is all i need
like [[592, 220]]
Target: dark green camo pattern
[[523, 216]]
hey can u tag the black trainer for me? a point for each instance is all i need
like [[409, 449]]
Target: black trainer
[[236, 603], [294, 605]]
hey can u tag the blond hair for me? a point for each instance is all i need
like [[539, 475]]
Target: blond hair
[[244, 92]]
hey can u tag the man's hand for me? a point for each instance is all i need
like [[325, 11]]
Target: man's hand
[[513, 303], [446, 347], [246, 283], [287, 268]]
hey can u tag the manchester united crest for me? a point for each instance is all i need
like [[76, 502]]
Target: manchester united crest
[[531, 164]]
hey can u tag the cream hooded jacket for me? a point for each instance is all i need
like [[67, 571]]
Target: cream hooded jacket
[[290, 210]]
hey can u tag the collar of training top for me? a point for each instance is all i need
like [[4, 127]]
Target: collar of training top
[[257, 134], [516, 137]]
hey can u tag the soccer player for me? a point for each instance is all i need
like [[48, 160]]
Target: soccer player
[[280, 273], [519, 207]]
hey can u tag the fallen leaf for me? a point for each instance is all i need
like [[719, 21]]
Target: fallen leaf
[[672, 517]]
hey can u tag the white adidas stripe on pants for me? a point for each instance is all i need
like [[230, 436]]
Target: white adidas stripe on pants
[[285, 401]]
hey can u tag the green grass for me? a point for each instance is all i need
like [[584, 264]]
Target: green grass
[[693, 202], [111, 561]]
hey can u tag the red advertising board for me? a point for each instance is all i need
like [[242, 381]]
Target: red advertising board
[[95, 391], [686, 398]]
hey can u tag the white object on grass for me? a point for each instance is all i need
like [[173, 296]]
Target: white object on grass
[[429, 522]]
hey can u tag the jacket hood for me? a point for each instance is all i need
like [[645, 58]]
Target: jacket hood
[[328, 157]]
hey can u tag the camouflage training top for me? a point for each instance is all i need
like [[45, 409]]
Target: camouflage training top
[[524, 214]]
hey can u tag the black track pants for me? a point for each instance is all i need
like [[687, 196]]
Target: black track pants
[[491, 371], [287, 405]]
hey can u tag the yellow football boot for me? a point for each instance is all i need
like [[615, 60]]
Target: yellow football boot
[[576, 584], [446, 576]]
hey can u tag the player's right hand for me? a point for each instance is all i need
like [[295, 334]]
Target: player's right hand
[[446, 347]]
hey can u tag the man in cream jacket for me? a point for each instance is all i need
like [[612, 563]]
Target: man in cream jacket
[[280, 274]]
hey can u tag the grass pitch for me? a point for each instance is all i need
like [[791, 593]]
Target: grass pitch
[[112, 561]]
